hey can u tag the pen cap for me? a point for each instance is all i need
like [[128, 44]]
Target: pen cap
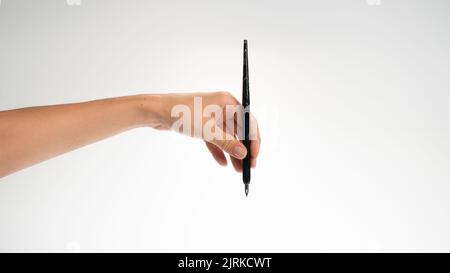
[[245, 78]]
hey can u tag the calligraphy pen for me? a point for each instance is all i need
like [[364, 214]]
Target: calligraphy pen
[[246, 104]]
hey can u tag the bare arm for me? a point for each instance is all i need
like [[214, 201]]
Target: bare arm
[[32, 135]]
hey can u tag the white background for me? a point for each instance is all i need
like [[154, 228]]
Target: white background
[[352, 101]]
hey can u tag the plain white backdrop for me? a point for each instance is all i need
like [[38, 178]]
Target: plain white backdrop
[[351, 96]]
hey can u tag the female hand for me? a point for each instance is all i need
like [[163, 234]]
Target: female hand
[[215, 117]]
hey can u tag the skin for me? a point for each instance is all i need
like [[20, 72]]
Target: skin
[[32, 135]]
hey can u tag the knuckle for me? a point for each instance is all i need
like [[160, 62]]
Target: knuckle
[[226, 93], [224, 97]]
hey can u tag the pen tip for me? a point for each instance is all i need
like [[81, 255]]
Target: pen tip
[[246, 190]]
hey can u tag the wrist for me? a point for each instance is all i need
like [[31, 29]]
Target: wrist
[[154, 111]]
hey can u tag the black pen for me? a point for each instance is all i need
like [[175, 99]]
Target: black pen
[[246, 104]]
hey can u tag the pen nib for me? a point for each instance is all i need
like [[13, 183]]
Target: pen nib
[[246, 190]]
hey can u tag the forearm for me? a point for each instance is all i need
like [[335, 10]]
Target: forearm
[[32, 135]]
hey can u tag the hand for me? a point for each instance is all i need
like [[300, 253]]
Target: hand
[[220, 125], [32, 135]]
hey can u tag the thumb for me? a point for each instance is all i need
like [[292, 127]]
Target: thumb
[[230, 145]]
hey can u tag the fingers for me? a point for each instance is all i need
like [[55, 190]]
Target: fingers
[[229, 135], [238, 127], [217, 153], [219, 156], [237, 164], [230, 145]]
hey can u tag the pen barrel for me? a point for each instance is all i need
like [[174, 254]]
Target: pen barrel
[[246, 104], [246, 142]]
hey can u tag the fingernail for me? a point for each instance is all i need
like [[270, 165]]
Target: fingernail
[[239, 152]]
